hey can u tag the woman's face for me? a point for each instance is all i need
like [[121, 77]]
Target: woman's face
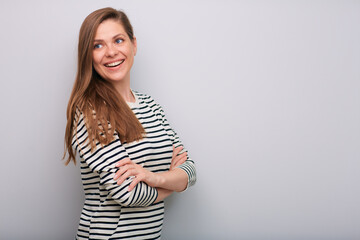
[[113, 52]]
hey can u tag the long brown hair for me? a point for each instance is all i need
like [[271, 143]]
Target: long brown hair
[[92, 94]]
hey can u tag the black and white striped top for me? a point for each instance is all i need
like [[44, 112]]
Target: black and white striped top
[[110, 211]]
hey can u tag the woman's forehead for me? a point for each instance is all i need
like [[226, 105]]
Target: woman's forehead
[[108, 29]]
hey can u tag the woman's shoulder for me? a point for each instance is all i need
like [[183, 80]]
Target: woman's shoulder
[[148, 100], [145, 98]]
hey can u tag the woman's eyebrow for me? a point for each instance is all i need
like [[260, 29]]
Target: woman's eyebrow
[[116, 36]]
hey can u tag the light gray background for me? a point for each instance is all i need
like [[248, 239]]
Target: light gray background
[[264, 94]]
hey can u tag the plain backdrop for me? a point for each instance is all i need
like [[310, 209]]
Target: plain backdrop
[[264, 94]]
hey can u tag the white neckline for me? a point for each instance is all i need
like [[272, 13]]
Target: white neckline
[[133, 104]]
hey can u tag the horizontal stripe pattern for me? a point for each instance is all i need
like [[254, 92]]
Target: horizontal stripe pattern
[[110, 211]]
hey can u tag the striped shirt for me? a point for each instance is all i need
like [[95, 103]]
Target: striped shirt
[[110, 211]]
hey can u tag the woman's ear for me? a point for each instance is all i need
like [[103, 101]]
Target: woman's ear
[[134, 42]]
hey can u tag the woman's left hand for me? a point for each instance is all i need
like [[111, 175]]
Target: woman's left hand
[[128, 168]]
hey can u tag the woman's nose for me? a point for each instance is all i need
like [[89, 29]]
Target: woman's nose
[[111, 51]]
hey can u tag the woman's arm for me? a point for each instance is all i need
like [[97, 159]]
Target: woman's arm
[[175, 179], [188, 165], [102, 162], [182, 173], [162, 194]]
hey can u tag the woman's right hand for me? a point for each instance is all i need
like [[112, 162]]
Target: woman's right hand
[[177, 159]]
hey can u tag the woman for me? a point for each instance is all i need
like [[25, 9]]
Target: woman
[[131, 159]]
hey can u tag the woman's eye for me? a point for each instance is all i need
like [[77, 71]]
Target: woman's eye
[[119, 40], [97, 46]]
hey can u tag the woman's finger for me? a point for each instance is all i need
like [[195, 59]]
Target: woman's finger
[[135, 181], [122, 170], [126, 175], [175, 159], [178, 160], [182, 154], [176, 150], [123, 162], [173, 151], [178, 163], [182, 159]]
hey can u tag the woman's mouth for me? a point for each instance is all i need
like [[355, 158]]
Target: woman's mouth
[[114, 64]]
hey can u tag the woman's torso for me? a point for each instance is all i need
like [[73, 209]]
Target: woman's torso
[[102, 217]]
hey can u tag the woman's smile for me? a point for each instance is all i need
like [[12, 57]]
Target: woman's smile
[[114, 64]]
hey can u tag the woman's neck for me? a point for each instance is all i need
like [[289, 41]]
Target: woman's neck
[[128, 96], [125, 91]]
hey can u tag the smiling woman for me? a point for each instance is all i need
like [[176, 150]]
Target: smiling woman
[[131, 159]]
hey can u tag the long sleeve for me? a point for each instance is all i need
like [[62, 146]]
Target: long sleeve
[[102, 161], [188, 166]]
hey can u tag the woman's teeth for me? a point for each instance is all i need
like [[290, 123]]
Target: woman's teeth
[[114, 64]]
